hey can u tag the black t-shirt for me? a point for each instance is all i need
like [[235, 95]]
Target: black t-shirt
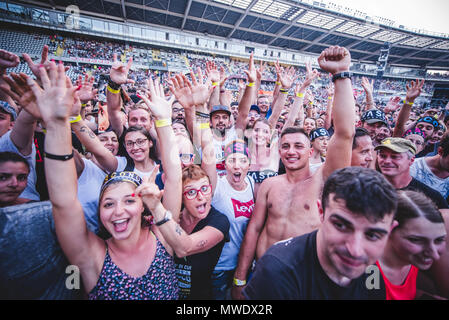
[[435, 196], [194, 272], [290, 270]]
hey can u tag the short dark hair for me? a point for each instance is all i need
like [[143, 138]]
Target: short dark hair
[[359, 132], [412, 204], [366, 192], [13, 157], [292, 130], [444, 144]]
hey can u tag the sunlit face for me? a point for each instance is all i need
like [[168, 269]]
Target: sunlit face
[[418, 140], [427, 128], [373, 129], [436, 136], [309, 125], [252, 117], [138, 146], [5, 123], [120, 212], [419, 242], [261, 134], [362, 155], [178, 112], [237, 166], [350, 242], [383, 133], [110, 141], [393, 164], [140, 117], [320, 145], [186, 152], [180, 130], [198, 207], [263, 104], [235, 111], [320, 123], [295, 151], [279, 127], [220, 121], [13, 180]]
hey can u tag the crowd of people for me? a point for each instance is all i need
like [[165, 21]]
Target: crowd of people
[[203, 186]]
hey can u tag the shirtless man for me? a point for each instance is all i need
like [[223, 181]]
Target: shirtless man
[[287, 205]]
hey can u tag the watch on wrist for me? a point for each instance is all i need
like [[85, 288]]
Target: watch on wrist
[[167, 217], [342, 75]]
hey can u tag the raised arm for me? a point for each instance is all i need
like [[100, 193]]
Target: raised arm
[[249, 244], [330, 103], [117, 76], [414, 90], [161, 110], [55, 101], [336, 60], [183, 244], [213, 75], [300, 93], [7, 60], [248, 96], [286, 78], [368, 86]]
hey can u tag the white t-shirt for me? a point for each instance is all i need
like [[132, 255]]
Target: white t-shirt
[[30, 192], [121, 165], [89, 187], [421, 172], [238, 206]]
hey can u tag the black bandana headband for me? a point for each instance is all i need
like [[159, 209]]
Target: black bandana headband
[[121, 176]]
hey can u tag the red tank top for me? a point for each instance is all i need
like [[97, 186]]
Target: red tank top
[[405, 291]]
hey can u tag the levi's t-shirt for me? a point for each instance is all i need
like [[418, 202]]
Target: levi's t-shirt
[[238, 207]]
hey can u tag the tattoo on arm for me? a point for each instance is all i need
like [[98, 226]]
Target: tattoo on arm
[[85, 129], [202, 244], [178, 229]]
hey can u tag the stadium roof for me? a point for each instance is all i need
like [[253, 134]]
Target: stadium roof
[[291, 24]]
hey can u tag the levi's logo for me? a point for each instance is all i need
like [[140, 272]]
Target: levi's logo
[[244, 209]]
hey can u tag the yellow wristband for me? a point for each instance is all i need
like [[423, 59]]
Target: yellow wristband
[[278, 83], [409, 103], [239, 283], [251, 84], [163, 123], [330, 98], [214, 84], [75, 119], [83, 105], [300, 95], [205, 125], [112, 90]]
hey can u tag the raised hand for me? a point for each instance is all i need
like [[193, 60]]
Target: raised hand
[[251, 73], [201, 90], [149, 191], [393, 104], [367, 85], [17, 88], [223, 77], [311, 75], [57, 98], [335, 60], [287, 77], [260, 71], [119, 72], [414, 90], [34, 67], [212, 72], [155, 100], [8, 60], [86, 91]]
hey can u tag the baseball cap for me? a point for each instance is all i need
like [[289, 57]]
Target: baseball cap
[[7, 108], [317, 133], [220, 108], [398, 145], [255, 108], [374, 116]]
